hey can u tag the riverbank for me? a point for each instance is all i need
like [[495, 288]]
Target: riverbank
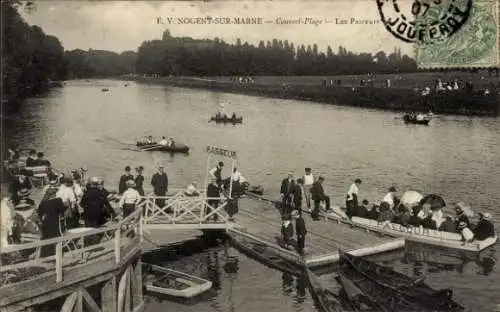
[[349, 92]]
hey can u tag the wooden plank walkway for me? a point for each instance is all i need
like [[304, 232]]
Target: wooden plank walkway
[[262, 220]]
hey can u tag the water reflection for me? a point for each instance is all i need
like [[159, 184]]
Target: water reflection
[[287, 284]]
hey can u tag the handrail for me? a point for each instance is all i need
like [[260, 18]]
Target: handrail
[[74, 236]]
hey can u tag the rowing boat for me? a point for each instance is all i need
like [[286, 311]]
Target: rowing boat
[[263, 253], [381, 282], [423, 120], [226, 119], [326, 299], [177, 148], [423, 235], [174, 283]]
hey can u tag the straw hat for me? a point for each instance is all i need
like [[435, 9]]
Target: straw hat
[[485, 215]]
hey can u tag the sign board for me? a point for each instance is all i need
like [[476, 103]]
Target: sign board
[[220, 151]]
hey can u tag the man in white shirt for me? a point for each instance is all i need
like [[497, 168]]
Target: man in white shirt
[[67, 195], [389, 197], [216, 173], [308, 182], [129, 199], [163, 141], [351, 202]]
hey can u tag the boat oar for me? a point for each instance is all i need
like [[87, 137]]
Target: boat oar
[[149, 148]]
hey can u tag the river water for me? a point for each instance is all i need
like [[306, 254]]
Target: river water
[[456, 157]]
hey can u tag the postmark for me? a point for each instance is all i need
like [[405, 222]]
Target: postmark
[[424, 21], [475, 45]]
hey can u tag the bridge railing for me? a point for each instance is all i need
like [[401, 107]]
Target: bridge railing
[[182, 209], [25, 261]]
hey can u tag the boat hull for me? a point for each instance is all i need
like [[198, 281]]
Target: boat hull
[[192, 286], [177, 148], [409, 120], [227, 120]]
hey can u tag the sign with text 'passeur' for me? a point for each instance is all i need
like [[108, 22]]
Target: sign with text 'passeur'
[[220, 151]]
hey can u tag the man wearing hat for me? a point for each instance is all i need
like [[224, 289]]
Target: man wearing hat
[[159, 181], [95, 205], [461, 217], [308, 179], [122, 185], [130, 199], [216, 173], [484, 228], [300, 231], [139, 180], [19, 188], [67, 195], [286, 192], [318, 195], [351, 202]]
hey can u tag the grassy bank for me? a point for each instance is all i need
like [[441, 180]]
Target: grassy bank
[[399, 97]]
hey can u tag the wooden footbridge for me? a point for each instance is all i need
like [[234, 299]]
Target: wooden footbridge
[[100, 270]]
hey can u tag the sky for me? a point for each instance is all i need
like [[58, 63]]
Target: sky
[[124, 25]]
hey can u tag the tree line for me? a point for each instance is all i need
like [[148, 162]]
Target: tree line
[[30, 58], [188, 56]]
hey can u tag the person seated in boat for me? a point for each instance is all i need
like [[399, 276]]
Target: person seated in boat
[[163, 141], [420, 117], [484, 228], [362, 209], [403, 216], [41, 160], [415, 220], [149, 139], [389, 197], [191, 190], [51, 175], [373, 212], [287, 231], [461, 217], [233, 116], [32, 159], [429, 223], [19, 188], [170, 142], [386, 214], [467, 235], [448, 225], [437, 216]]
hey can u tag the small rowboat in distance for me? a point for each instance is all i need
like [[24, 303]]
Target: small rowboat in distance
[[418, 119], [174, 283], [177, 148], [236, 120]]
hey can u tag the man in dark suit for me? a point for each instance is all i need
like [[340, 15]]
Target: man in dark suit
[[160, 185], [122, 185], [300, 230], [318, 195], [286, 192]]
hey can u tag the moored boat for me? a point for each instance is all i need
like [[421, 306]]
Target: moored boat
[[418, 119], [174, 283], [326, 299], [176, 148], [389, 288], [264, 254], [423, 235], [226, 119]]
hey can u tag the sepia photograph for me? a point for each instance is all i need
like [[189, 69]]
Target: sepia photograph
[[254, 155]]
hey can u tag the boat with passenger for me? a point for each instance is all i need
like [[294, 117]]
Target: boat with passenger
[[417, 118], [163, 145], [424, 223], [226, 119], [378, 287]]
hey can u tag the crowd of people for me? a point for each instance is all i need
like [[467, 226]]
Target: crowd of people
[[420, 214]]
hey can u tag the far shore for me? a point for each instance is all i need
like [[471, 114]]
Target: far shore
[[401, 96]]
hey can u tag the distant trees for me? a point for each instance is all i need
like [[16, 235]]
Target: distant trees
[[30, 58], [188, 56], [98, 63]]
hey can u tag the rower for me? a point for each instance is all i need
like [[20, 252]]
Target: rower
[[233, 116], [484, 227], [170, 142], [163, 141], [149, 140]]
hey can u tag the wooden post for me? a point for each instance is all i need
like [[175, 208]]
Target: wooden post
[[69, 303], [108, 296], [117, 242], [59, 265], [141, 229], [209, 157], [128, 298], [122, 291], [136, 285], [79, 302]]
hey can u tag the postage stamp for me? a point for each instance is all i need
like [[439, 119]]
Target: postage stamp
[[475, 45], [446, 33]]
